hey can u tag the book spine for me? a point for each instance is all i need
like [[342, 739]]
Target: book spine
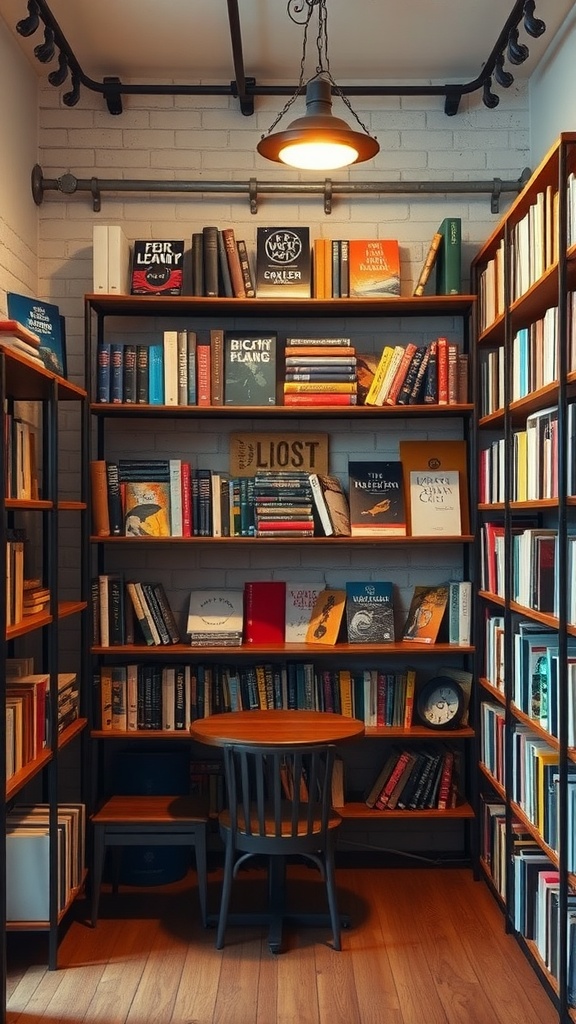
[[216, 366], [203, 374], [116, 611], [417, 393], [314, 387], [328, 398], [320, 504], [119, 717], [129, 393], [442, 370], [249, 286], [345, 268], [319, 376], [156, 374], [103, 359], [176, 498], [116, 374], [410, 379], [142, 388], [449, 277], [103, 597], [140, 613], [234, 266], [150, 618], [170, 367], [106, 698], [115, 515], [186, 499], [182, 346], [99, 493], [225, 281], [335, 255], [192, 345], [431, 386], [452, 374], [210, 249], [197, 263], [445, 781], [401, 763], [409, 697], [166, 612], [394, 390]]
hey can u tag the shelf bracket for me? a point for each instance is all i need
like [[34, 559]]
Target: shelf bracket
[[328, 195], [253, 195], [495, 200]]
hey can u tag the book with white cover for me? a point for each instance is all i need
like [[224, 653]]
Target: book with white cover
[[216, 616], [100, 259], [300, 600], [435, 503], [119, 261]]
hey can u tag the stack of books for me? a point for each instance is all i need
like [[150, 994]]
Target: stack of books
[[320, 371], [283, 505], [26, 343], [36, 598]]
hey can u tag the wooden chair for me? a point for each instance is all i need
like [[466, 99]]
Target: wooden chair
[[279, 805], [149, 821]]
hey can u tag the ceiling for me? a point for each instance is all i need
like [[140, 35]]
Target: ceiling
[[371, 41]]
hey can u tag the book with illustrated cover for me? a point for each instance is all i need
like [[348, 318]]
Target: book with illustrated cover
[[146, 508], [326, 618], [249, 368], [44, 320], [215, 617], [283, 263], [435, 503], [300, 601], [374, 267], [370, 613], [425, 614], [331, 504], [437, 456], [376, 499], [157, 268]]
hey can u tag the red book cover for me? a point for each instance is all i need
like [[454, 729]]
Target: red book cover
[[442, 370], [264, 612], [319, 398]]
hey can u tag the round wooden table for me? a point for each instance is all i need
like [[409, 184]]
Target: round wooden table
[[277, 728]]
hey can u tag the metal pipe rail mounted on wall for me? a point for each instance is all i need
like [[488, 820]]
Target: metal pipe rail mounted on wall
[[68, 184]]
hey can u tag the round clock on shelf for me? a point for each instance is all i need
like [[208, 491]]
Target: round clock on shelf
[[440, 703]]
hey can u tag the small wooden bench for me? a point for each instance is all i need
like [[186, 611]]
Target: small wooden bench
[[150, 821]]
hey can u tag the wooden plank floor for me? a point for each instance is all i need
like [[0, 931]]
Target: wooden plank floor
[[427, 946]]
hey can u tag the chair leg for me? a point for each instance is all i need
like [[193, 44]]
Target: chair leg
[[200, 851], [226, 891], [97, 869], [331, 893]]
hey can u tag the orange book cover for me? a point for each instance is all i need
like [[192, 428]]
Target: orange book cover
[[146, 509], [425, 614], [99, 486], [326, 617], [204, 389], [435, 456], [374, 267]]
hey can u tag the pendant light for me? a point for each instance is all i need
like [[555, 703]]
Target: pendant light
[[318, 141]]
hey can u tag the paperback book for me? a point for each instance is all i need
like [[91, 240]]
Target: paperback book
[[370, 613], [300, 601], [331, 504], [264, 611], [438, 456], [326, 618], [425, 614], [374, 267], [376, 499], [44, 320], [435, 503], [215, 618], [283, 264], [249, 368], [157, 267]]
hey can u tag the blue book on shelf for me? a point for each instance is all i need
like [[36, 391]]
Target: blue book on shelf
[[44, 319], [117, 373], [103, 372], [156, 374]]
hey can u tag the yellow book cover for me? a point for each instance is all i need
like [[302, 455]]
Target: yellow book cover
[[345, 684], [379, 375], [297, 387], [326, 617], [146, 509]]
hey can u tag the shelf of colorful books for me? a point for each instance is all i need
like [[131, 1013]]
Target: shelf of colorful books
[[21, 778], [182, 305], [230, 652], [359, 810]]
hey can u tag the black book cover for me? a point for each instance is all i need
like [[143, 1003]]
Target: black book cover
[[130, 374], [249, 368], [369, 612], [142, 394], [197, 263], [377, 507], [210, 246], [283, 263], [115, 513], [157, 268]]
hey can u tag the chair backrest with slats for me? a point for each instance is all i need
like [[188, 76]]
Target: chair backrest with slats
[[282, 793]]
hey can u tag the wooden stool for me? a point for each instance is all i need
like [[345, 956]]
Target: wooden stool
[[150, 821]]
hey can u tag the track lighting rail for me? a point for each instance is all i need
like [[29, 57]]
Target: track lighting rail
[[69, 184], [506, 48]]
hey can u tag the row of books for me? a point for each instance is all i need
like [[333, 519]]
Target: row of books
[[325, 368], [413, 374], [534, 565], [166, 498], [28, 855], [136, 696], [14, 581], [536, 677], [349, 268], [29, 719], [277, 612], [417, 778], [534, 460], [21, 479]]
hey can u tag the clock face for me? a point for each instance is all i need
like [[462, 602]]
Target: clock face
[[440, 703]]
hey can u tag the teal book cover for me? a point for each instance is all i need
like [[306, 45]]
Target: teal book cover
[[44, 319], [449, 260], [370, 612]]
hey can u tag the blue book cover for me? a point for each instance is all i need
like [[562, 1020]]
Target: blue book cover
[[44, 319], [103, 372], [156, 374], [370, 612], [117, 374]]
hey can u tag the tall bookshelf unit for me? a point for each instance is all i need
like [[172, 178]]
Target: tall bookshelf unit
[[200, 435], [41, 396], [525, 276]]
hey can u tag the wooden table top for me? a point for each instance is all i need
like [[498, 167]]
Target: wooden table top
[[276, 728]]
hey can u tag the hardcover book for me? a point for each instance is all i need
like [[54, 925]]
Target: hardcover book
[[44, 320], [437, 456], [331, 504], [326, 618], [157, 267], [264, 611], [374, 267], [370, 613], [435, 503], [449, 261], [215, 617], [146, 509], [283, 264], [300, 601], [429, 262], [425, 614], [249, 368], [366, 366], [376, 499]]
